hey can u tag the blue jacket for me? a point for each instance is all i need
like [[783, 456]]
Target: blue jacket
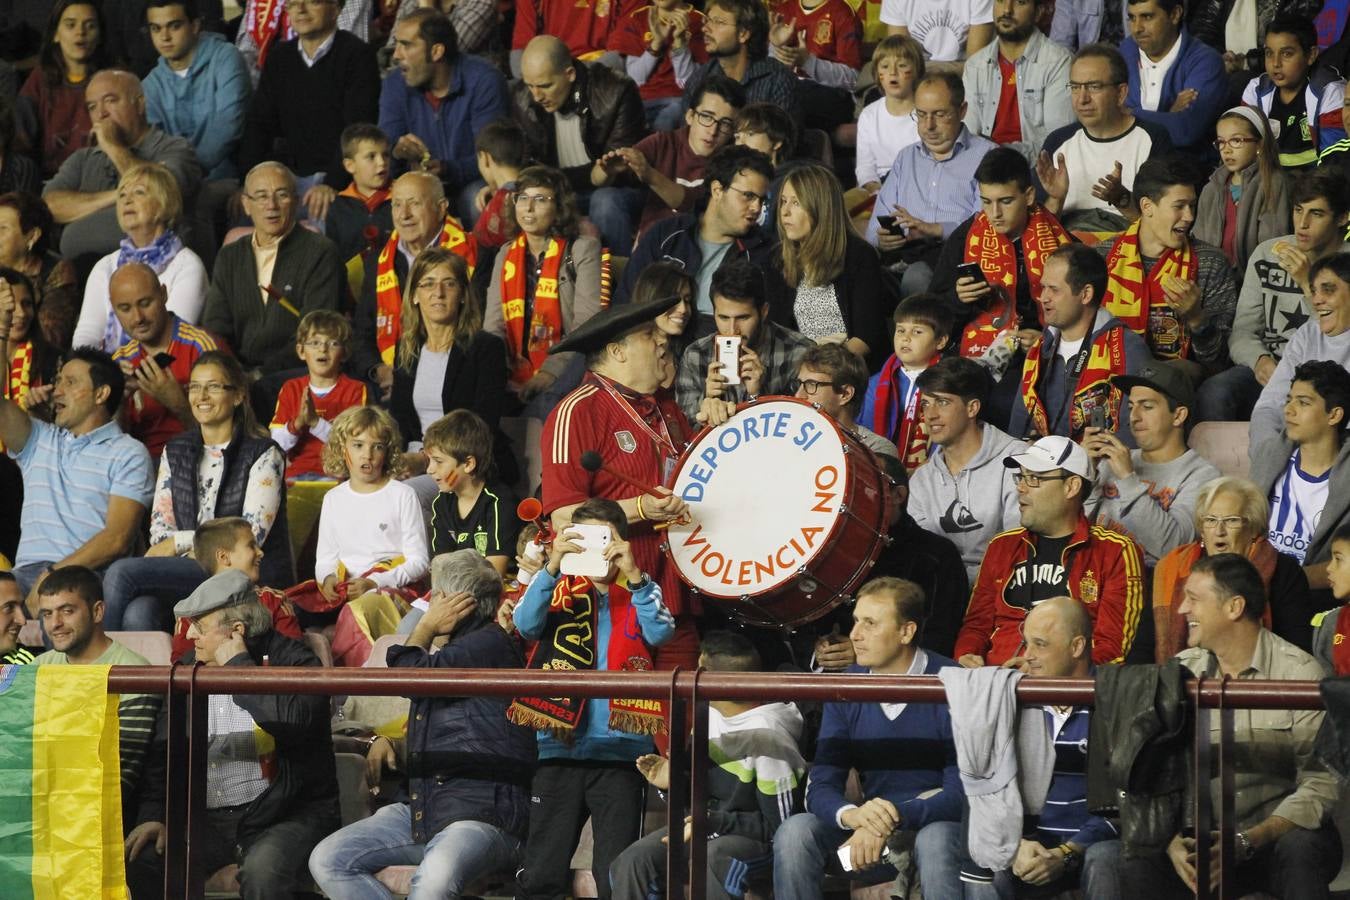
[[207, 106], [594, 739], [477, 97], [1323, 97], [466, 760], [896, 413], [896, 759], [1197, 66]]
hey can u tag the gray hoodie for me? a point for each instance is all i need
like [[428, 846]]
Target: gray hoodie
[[1156, 504], [1307, 343], [974, 505]]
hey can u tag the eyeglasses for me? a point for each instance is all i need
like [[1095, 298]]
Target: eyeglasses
[[1222, 523], [809, 385], [1092, 87], [1034, 479], [529, 200], [281, 198], [1236, 143], [937, 116], [708, 120], [751, 198], [443, 286], [321, 344], [211, 388]]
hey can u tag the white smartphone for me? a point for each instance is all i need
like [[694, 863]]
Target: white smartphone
[[845, 857], [729, 355], [590, 562]]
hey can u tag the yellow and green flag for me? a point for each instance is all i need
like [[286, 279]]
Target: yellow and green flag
[[60, 798]]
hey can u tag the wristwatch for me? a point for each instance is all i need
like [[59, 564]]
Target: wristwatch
[[1073, 859], [1245, 850], [638, 585]]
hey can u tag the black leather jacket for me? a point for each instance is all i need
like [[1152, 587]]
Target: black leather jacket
[[1206, 19], [611, 114], [1139, 752]]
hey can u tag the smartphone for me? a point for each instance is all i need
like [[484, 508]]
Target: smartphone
[[887, 223], [845, 858], [729, 355], [590, 562], [1097, 418], [164, 360], [971, 270]]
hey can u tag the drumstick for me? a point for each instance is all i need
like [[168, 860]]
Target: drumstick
[[593, 462]]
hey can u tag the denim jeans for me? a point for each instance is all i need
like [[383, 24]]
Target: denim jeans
[[1100, 879], [615, 211], [805, 848], [344, 863], [664, 113], [1227, 396], [139, 592]]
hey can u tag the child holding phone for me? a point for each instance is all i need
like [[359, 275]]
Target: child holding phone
[[612, 622]]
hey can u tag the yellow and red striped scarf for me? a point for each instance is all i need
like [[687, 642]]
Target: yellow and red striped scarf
[[529, 347], [998, 260], [1138, 299], [388, 296], [1106, 358]]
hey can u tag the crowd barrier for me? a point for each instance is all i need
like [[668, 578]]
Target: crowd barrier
[[687, 693]]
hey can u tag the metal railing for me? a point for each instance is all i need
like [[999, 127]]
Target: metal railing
[[687, 693]]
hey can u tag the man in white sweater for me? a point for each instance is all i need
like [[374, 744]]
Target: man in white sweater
[[963, 492], [1326, 337]]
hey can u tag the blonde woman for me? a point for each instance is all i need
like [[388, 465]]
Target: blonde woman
[[834, 274], [445, 360], [148, 209]]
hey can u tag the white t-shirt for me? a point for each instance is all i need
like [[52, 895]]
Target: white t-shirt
[[939, 25], [1089, 160], [881, 137], [360, 530], [1069, 349], [571, 145], [1296, 504], [1151, 75], [428, 384]]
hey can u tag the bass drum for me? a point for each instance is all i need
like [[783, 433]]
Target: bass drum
[[788, 513]]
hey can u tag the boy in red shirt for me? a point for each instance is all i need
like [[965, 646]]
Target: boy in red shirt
[[661, 44], [500, 148], [821, 41], [308, 405]]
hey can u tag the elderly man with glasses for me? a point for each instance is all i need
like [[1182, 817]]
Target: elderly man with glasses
[[262, 286], [931, 189], [1087, 168], [1056, 552]]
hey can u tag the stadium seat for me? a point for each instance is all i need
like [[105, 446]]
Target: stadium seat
[[1224, 444]]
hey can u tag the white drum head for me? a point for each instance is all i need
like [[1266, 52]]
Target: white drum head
[[764, 490]]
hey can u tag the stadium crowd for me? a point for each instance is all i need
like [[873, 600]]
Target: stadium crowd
[[295, 307]]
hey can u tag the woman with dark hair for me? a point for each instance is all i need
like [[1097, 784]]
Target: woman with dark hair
[[25, 227], [836, 275], [545, 283], [226, 466], [666, 279], [55, 121], [445, 360]]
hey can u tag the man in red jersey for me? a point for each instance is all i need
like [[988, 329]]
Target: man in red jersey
[[614, 413]]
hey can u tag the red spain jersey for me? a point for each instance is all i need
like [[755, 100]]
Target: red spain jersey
[[306, 457], [833, 30], [632, 34], [147, 419], [590, 418], [583, 25]]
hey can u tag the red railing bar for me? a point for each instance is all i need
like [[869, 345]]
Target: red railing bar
[[656, 685]]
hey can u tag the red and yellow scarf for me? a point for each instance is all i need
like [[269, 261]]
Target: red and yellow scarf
[[1093, 386], [265, 20], [568, 644], [529, 349], [20, 380], [388, 296], [903, 426], [1138, 299], [998, 260]]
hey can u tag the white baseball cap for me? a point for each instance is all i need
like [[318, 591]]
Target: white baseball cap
[[1050, 453]]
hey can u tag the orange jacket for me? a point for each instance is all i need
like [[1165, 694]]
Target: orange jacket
[[1105, 572]]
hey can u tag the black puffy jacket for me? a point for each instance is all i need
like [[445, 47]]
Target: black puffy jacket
[[1206, 18], [466, 760], [611, 114]]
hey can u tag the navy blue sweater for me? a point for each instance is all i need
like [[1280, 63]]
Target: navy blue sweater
[[897, 760], [1065, 817]]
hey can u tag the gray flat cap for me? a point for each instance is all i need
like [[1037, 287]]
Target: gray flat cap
[[225, 588]]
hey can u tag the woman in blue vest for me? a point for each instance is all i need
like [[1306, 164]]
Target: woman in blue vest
[[226, 466]]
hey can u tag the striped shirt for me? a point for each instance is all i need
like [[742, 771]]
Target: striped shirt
[[68, 481], [1065, 817], [147, 419]]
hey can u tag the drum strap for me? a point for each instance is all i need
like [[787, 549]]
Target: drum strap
[[660, 439]]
